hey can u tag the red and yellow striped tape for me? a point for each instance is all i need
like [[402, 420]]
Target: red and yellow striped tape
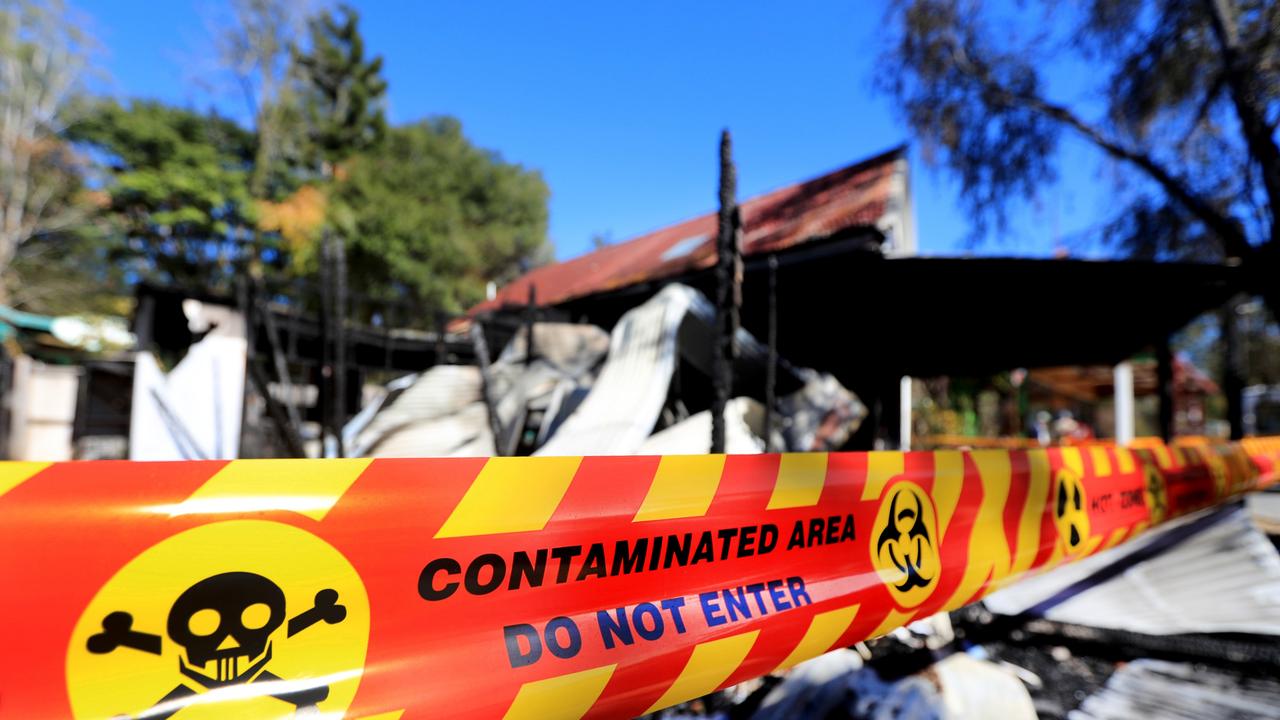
[[528, 587]]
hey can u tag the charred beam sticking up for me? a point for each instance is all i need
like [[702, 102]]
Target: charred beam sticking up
[[728, 293], [287, 410], [340, 342], [771, 368], [325, 381], [279, 417], [529, 319], [1164, 388], [490, 404], [442, 352], [1232, 368]]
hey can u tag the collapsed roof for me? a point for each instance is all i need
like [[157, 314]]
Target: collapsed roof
[[850, 303], [867, 198]]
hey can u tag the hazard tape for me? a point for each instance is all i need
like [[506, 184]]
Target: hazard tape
[[528, 587]]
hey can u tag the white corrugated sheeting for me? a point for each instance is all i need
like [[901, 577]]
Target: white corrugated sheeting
[[692, 436], [440, 413], [461, 434], [959, 687], [1224, 578], [1264, 508], [1150, 689]]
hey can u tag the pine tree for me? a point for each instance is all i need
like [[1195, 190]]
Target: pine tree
[[342, 92]]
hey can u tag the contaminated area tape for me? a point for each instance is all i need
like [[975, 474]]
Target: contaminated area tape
[[547, 587]]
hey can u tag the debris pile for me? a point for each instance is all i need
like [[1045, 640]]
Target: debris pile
[[582, 391]]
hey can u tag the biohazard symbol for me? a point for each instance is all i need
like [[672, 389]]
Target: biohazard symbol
[[1069, 512], [1154, 491], [905, 553], [232, 619]]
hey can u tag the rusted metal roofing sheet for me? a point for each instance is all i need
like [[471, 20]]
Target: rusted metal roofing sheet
[[858, 195]]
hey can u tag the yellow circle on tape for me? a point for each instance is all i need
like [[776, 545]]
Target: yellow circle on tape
[[1070, 511], [1153, 490], [243, 618]]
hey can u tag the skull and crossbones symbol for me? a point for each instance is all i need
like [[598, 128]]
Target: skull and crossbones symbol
[[224, 624], [906, 538]]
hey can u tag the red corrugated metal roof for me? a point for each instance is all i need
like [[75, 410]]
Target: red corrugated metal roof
[[854, 196]]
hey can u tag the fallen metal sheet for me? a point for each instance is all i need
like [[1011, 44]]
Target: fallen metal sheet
[[411, 421], [623, 406], [1147, 689], [1223, 576], [440, 413]]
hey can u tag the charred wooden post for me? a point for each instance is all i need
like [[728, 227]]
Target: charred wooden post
[[490, 404], [1164, 388], [286, 410], [771, 367], [530, 314], [324, 386], [728, 293], [1232, 368], [340, 342], [442, 351]]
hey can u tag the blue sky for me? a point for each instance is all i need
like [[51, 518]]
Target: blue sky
[[619, 105]]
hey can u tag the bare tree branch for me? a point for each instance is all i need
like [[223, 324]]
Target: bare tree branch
[[41, 60], [1234, 241], [1250, 108]]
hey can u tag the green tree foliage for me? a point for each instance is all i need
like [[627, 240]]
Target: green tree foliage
[[178, 199], [183, 197], [429, 217], [341, 91], [1182, 96]]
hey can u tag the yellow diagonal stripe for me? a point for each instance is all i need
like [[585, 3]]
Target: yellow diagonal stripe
[[1114, 538], [1032, 512], [1101, 462], [948, 481], [1180, 456], [891, 622], [1163, 458], [1124, 457], [565, 697], [511, 494], [308, 487], [683, 487], [824, 630], [800, 480], [711, 663], [393, 715], [881, 466], [12, 474], [1072, 460], [988, 546]]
